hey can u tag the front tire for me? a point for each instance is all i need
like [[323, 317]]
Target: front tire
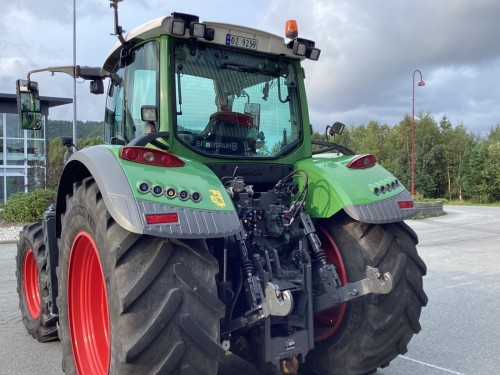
[[32, 284], [368, 333], [130, 303]]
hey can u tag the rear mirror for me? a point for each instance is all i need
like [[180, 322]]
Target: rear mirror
[[336, 128], [28, 105]]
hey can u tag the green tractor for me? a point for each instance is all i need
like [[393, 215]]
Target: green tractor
[[209, 222]]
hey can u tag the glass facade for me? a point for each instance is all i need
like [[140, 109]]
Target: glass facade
[[22, 157]]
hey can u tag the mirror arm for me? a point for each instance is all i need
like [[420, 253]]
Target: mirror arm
[[84, 72], [70, 70]]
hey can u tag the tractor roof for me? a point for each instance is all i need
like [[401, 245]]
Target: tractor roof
[[266, 42]]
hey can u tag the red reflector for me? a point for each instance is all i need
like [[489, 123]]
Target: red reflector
[[405, 204], [363, 161], [150, 156], [162, 218]]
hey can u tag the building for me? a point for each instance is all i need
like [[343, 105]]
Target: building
[[23, 154]]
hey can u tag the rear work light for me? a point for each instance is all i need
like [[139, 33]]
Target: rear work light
[[299, 46], [313, 53], [197, 29], [180, 22], [363, 161], [150, 156], [162, 218], [177, 27]]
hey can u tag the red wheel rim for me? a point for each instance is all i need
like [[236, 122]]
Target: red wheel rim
[[88, 313], [31, 289], [327, 322]]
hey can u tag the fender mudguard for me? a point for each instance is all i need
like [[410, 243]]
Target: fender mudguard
[[369, 195], [196, 195]]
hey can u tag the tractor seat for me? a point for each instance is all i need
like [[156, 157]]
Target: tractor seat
[[230, 124]]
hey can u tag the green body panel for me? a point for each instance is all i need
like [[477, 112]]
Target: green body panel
[[333, 186], [118, 181], [192, 177]]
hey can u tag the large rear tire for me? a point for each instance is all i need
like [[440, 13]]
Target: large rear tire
[[133, 304], [368, 333], [32, 284]]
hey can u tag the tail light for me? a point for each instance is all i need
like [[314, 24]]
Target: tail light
[[150, 156], [363, 161]]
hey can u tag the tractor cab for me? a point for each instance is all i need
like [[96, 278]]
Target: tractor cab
[[220, 91]]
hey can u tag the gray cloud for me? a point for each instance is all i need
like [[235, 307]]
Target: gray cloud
[[369, 51]]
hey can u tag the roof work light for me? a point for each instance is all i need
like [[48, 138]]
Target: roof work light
[[181, 22], [299, 46]]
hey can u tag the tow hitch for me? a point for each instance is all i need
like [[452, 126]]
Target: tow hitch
[[333, 293]]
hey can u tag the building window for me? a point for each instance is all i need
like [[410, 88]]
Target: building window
[[15, 184], [15, 151], [22, 155], [13, 130]]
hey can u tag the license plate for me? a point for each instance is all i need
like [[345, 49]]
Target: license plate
[[241, 41]]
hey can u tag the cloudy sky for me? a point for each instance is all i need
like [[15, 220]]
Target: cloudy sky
[[370, 49]]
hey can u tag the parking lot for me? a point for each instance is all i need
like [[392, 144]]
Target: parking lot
[[460, 326]]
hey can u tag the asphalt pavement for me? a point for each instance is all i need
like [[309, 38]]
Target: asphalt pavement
[[460, 325]]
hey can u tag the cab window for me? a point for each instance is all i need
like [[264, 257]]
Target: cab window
[[131, 88]]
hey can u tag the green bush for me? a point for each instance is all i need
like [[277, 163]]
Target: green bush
[[421, 199], [28, 207]]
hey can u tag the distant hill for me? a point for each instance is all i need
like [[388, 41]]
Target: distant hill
[[87, 129]]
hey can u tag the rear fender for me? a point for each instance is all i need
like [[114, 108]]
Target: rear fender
[[369, 195], [213, 215]]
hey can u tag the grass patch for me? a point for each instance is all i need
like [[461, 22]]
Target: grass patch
[[473, 203], [426, 216]]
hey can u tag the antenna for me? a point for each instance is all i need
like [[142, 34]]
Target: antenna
[[118, 29]]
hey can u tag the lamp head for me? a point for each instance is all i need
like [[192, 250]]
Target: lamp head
[[421, 83]]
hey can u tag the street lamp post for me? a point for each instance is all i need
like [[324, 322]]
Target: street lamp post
[[420, 83], [74, 79]]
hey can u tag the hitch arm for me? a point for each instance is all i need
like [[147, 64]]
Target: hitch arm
[[374, 283]]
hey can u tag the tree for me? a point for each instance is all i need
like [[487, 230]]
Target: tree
[[428, 156], [494, 134], [491, 172], [56, 152], [455, 144], [87, 129], [471, 174]]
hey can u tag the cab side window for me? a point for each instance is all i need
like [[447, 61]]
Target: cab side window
[[113, 118], [131, 88]]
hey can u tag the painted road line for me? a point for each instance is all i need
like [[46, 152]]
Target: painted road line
[[433, 366]]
